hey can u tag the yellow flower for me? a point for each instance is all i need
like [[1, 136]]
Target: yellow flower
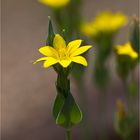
[[104, 22], [126, 49], [88, 29], [121, 110], [55, 3], [62, 54]]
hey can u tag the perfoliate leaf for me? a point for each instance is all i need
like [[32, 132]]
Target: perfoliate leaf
[[69, 114], [58, 104]]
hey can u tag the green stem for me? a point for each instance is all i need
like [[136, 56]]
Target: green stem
[[103, 117], [86, 129], [68, 135], [128, 98], [134, 93]]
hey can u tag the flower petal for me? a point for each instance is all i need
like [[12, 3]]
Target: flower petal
[[80, 60], [126, 49], [65, 63], [73, 45], [55, 3], [49, 62], [80, 50], [59, 42], [40, 59], [48, 51]]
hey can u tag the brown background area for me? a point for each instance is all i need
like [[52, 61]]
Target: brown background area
[[28, 90]]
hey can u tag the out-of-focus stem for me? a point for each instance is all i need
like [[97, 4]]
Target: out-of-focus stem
[[102, 115], [86, 130], [128, 97], [68, 135]]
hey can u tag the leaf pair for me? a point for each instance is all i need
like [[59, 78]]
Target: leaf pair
[[66, 112]]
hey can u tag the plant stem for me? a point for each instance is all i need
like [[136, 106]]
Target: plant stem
[[102, 115], [128, 98], [85, 131], [68, 135]]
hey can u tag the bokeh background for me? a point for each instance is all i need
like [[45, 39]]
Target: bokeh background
[[28, 90]]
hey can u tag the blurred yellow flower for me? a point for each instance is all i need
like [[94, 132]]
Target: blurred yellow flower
[[104, 22], [62, 54], [126, 49], [121, 111], [88, 29], [55, 3]]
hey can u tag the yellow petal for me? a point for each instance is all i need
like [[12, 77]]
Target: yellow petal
[[80, 60], [58, 42], [48, 51], [49, 62], [73, 45], [55, 3], [65, 63], [40, 59], [134, 55], [80, 50], [126, 49], [88, 29]]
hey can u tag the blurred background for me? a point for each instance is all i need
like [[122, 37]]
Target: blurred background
[[28, 91]]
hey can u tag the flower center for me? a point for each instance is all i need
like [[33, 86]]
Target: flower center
[[63, 55]]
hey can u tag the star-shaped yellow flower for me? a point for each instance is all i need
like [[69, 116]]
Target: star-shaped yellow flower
[[55, 3], [62, 54], [126, 49]]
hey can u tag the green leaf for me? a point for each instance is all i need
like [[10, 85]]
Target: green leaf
[[58, 104], [69, 114], [50, 34]]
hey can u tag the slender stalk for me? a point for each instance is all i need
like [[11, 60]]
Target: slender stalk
[[134, 97], [128, 97], [86, 129], [68, 135], [102, 115]]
